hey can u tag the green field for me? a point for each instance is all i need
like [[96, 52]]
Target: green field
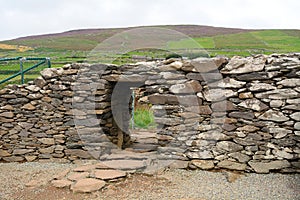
[[62, 49]]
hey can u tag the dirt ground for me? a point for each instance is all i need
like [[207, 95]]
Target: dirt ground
[[30, 181]]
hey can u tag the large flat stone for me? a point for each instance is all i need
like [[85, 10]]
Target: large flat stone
[[61, 183], [109, 174], [126, 164], [227, 164], [88, 185], [292, 82], [240, 65], [265, 167], [278, 94]]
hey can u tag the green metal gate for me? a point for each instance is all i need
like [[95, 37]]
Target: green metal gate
[[22, 71]]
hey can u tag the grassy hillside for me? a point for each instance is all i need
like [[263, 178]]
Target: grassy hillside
[[74, 46]]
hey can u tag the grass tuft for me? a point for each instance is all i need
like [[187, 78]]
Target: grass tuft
[[144, 118]]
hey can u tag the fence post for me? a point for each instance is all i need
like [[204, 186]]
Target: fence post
[[48, 62], [21, 69]]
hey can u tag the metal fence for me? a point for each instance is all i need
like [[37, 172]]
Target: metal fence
[[21, 69]]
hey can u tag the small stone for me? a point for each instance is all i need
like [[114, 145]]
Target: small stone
[[273, 115], [279, 132], [21, 100], [172, 75], [49, 73], [40, 82], [276, 103], [61, 175], [4, 153], [61, 183], [243, 158], [7, 107], [33, 88], [88, 185], [248, 128], [28, 106], [203, 164], [186, 88], [163, 99], [109, 174], [228, 127], [246, 95], [133, 78], [223, 106], [293, 82], [295, 116], [215, 135], [22, 151], [227, 164], [48, 150], [282, 154], [297, 126], [7, 114], [200, 155], [201, 65], [47, 141], [255, 87], [33, 183], [243, 115], [254, 104], [227, 83], [229, 146], [202, 110], [34, 96], [218, 94], [30, 158]]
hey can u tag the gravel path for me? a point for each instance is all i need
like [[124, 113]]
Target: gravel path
[[173, 184]]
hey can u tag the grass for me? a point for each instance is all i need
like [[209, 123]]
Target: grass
[[76, 48], [144, 118]]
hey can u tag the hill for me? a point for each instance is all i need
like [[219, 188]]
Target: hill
[[74, 45]]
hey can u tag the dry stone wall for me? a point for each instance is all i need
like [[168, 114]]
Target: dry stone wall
[[238, 114]]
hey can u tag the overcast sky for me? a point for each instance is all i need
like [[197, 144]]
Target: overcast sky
[[32, 17]]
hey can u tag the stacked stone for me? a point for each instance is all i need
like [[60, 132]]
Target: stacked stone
[[238, 113]]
